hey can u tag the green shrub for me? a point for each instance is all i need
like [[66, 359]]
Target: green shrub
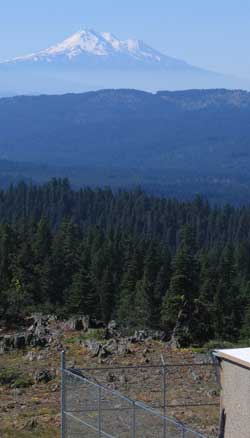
[[199, 350], [220, 344], [23, 382], [8, 376], [14, 378], [93, 335]]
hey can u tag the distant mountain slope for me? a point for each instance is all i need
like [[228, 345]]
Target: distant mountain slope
[[201, 99], [88, 46], [174, 143], [92, 60], [209, 129]]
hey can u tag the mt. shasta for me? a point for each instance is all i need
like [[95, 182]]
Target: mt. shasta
[[89, 60]]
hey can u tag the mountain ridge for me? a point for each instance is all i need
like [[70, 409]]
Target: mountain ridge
[[101, 44], [90, 60], [179, 143], [166, 129]]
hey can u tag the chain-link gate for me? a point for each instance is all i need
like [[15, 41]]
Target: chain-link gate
[[91, 410]]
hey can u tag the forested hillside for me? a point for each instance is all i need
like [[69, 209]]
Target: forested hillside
[[171, 143], [130, 128], [145, 261]]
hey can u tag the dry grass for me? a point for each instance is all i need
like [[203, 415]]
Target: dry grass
[[34, 411]]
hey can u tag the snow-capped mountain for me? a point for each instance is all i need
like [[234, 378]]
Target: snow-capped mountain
[[101, 45], [89, 60]]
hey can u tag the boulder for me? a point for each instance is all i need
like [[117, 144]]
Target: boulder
[[111, 377], [123, 378], [112, 325], [79, 323], [111, 346], [44, 376], [139, 336], [112, 331], [104, 352], [94, 348], [146, 334], [123, 347], [30, 356]]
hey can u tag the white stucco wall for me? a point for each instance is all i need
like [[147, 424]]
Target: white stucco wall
[[235, 398]]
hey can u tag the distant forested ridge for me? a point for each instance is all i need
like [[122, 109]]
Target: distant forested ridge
[[171, 143], [143, 260]]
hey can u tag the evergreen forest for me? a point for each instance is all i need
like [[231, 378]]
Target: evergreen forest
[[145, 261]]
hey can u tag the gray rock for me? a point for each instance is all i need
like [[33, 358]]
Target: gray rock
[[44, 376], [111, 346], [139, 336], [123, 379], [123, 348], [79, 323], [112, 331], [55, 387], [143, 335], [111, 377], [30, 356], [94, 348], [104, 352]]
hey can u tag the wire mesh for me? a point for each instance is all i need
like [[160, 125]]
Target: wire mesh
[[116, 414], [151, 424], [81, 401], [91, 409], [125, 380]]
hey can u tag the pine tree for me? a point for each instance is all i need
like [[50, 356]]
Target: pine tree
[[245, 314], [179, 301], [227, 301], [65, 259], [201, 325], [142, 310], [125, 305], [80, 296], [106, 292]]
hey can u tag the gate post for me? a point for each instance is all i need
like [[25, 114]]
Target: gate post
[[99, 412], [134, 421], [63, 395], [164, 384]]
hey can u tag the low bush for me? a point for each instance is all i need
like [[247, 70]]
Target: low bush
[[13, 378]]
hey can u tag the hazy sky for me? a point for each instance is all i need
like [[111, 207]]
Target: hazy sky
[[213, 34]]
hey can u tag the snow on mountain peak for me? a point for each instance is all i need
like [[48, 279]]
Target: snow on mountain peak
[[104, 45], [82, 41], [112, 40], [91, 42], [133, 45]]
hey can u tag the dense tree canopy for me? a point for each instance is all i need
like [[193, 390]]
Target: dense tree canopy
[[148, 262]]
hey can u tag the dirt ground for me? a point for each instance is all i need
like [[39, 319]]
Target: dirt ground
[[30, 407]]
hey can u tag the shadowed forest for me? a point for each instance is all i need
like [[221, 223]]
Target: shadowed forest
[[183, 267]]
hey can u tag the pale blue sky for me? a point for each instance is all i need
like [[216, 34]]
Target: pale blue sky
[[213, 34]]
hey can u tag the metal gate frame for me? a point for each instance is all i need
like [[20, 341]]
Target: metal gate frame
[[135, 406]]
